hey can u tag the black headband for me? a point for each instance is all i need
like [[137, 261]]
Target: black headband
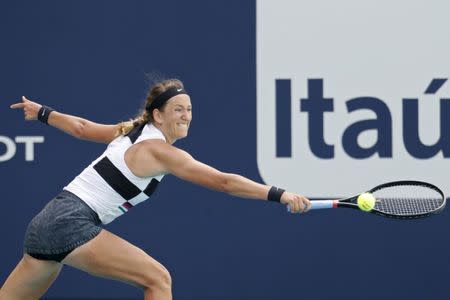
[[164, 97]]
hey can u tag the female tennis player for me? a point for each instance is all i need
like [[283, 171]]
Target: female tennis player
[[140, 152]]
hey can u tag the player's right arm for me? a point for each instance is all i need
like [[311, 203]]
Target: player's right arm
[[73, 125], [181, 164]]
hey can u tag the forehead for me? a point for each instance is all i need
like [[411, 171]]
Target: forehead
[[182, 99]]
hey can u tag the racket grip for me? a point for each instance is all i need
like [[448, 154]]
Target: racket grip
[[320, 204]]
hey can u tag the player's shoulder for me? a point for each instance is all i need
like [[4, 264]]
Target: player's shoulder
[[160, 148]]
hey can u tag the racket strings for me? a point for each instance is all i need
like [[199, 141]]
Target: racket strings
[[407, 206]]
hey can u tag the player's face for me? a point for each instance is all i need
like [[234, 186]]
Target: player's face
[[176, 117]]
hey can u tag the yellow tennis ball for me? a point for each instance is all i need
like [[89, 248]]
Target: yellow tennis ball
[[366, 201]]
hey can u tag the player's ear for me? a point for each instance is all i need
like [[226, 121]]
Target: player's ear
[[157, 116]]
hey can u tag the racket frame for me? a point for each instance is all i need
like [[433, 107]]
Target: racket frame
[[351, 202]]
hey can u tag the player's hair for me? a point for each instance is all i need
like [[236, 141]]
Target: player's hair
[[145, 116]]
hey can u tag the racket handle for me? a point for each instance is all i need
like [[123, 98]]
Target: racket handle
[[320, 204], [323, 204]]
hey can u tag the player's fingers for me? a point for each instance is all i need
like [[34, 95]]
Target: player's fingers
[[302, 205], [307, 204], [17, 105], [296, 206], [24, 99], [292, 207], [27, 116]]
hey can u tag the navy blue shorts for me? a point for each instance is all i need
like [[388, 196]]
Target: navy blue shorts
[[64, 224]]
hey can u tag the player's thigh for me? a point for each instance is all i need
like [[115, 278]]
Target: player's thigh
[[30, 279], [110, 256]]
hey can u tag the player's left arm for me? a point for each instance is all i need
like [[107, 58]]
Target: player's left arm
[[75, 126]]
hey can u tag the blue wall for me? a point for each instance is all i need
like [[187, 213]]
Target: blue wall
[[90, 58]]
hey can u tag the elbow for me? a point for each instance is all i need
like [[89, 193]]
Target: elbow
[[78, 129], [225, 184]]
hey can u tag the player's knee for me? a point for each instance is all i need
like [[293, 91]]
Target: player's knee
[[159, 279], [165, 280]]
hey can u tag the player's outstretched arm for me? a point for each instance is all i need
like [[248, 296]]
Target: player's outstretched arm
[[73, 125], [184, 166]]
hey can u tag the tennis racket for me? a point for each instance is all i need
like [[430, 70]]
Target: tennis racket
[[398, 199]]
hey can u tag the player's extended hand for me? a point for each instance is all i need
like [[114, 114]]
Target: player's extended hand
[[296, 203], [30, 108]]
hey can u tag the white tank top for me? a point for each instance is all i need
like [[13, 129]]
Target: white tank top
[[108, 186]]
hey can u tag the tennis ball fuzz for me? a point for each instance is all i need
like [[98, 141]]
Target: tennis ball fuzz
[[366, 201]]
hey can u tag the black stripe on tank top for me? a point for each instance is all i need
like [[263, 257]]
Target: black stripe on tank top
[[151, 187], [135, 133], [112, 175]]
